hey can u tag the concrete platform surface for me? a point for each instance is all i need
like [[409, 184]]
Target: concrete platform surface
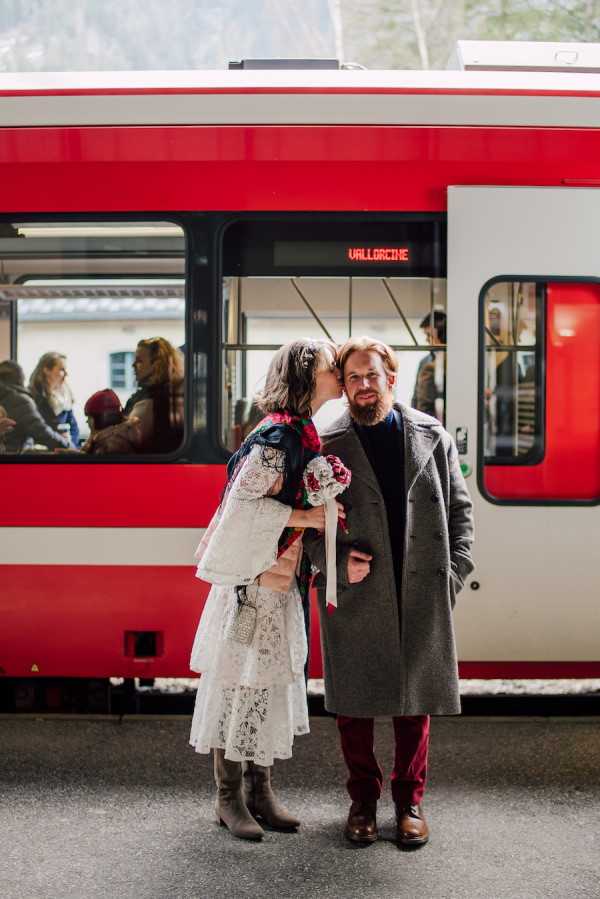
[[98, 808]]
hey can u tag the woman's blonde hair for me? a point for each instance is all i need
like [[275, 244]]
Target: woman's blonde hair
[[291, 377], [38, 382], [167, 361]]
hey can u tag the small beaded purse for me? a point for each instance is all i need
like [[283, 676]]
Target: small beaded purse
[[242, 621]]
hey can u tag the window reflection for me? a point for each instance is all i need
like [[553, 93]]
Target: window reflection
[[512, 388]]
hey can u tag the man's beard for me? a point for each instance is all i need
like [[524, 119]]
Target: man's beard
[[372, 413]]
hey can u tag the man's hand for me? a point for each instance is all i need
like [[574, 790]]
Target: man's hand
[[359, 566]]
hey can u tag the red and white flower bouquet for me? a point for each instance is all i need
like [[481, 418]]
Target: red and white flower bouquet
[[325, 477]]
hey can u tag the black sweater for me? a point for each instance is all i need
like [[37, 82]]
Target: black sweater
[[384, 445]]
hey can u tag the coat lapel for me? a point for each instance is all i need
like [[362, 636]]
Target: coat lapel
[[421, 436], [420, 440]]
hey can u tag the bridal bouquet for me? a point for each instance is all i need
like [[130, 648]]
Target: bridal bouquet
[[325, 477]]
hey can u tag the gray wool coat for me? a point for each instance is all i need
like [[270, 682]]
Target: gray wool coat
[[384, 654]]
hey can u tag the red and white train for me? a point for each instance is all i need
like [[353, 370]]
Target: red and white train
[[231, 211]]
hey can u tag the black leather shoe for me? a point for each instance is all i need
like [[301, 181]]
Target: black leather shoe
[[411, 826], [361, 826]]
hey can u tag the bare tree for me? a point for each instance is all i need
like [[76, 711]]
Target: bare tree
[[422, 33]]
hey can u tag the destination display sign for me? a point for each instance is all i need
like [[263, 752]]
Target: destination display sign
[[338, 254], [323, 245]]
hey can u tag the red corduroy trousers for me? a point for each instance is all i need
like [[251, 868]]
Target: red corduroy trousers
[[410, 759]]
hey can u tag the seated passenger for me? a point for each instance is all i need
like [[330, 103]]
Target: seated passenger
[[53, 395], [29, 426], [158, 403], [110, 432]]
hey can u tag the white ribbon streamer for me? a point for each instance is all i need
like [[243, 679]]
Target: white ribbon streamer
[[331, 520]]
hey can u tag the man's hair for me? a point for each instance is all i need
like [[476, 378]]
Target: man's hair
[[290, 380], [439, 323], [367, 345], [11, 373]]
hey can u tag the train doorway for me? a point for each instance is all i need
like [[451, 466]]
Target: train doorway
[[523, 400]]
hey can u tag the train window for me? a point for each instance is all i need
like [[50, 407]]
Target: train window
[[540, 398], [332, 276], [336, 277], [513, 321], [261, 314], [92, 308]]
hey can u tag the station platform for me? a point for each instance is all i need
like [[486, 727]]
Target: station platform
[[122, 808]]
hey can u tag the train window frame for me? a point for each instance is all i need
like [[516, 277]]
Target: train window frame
[[226, 221], [482, 462], [192, 445], [537, 454]]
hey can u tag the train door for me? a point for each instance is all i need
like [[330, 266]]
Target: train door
[[523, 401]]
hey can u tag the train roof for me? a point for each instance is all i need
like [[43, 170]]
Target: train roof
[[301, 97]]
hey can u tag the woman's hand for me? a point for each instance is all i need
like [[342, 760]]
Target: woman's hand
[[313, 517]]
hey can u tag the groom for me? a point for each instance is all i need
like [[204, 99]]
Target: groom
[[388, 648]]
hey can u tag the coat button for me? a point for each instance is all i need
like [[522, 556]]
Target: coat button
[[441, 571], [434, 498], [439, 535]]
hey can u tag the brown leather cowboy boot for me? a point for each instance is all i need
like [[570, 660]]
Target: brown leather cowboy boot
[[262, 801], [411, 826], [230, 807]]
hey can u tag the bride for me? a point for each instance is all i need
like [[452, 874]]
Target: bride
[[251, 644]]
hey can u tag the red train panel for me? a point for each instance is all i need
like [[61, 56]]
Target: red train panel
[[379, 168], [95, 613]]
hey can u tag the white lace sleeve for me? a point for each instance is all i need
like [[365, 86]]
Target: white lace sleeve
[[244, 542]]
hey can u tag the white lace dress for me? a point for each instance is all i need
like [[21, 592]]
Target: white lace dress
[[251, 699]]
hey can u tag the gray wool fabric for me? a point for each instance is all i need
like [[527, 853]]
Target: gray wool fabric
[[385, 654]]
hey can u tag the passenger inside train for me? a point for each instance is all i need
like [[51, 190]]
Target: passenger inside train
[[158, 403], [152, 420], [110, 431], [428, 393], [510, 390], [30, 428], [50, 388]]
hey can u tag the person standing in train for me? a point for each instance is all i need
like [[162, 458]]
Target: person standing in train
[[388, 647], [428, 393], [251, 644]]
